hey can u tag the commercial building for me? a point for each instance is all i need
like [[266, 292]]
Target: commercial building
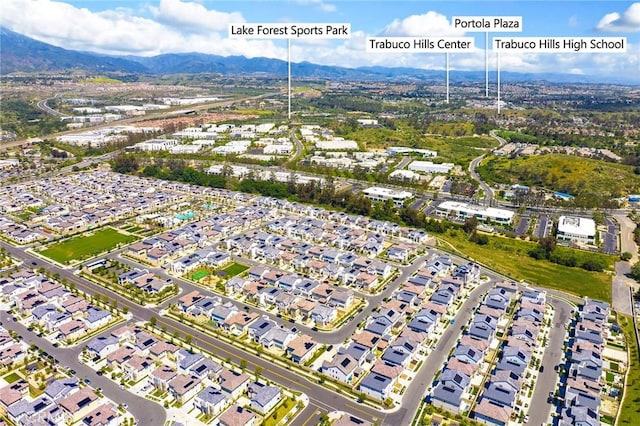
[[376, 193], [576, 229], [430, 167], [462, 211]]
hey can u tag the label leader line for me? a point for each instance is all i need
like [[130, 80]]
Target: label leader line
[[436, 44], [486, 24], [288, 31]]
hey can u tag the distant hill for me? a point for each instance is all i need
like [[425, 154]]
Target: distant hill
[[19, 53]]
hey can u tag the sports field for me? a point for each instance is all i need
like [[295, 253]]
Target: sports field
[[234, 269], [84, 246]]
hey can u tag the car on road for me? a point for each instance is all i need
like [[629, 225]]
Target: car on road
[[34, 263], [541, 369], [73, 372], [526, 418], [87, 381], [99, 373]]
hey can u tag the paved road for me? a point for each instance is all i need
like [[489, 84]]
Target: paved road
[[46, 108], [488, 191], [404, 162], [147, 412], [540, 409], [611, 236], [523, 226], [415, 393], [542, 226], [627, 242], [298, 144], [310, 416], [620, 296]]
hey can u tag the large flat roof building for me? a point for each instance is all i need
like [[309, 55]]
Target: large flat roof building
[[462, 211], [576, 229], [431, 167], [377, 193]]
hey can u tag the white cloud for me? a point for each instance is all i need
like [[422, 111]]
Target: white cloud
[[190, 16], [428, 24], [325, 7], [628, 21], [120, 31]]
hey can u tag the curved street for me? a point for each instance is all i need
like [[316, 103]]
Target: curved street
[[488, 191]]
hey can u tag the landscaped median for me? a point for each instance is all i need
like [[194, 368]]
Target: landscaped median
[[630, 406]]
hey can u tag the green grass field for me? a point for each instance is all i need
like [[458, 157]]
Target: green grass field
[[11, 378], [234, 269], [510, 257], [84, 246], [630, 410], [199, 274]]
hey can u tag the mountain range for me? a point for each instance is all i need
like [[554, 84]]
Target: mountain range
[[19, 53]]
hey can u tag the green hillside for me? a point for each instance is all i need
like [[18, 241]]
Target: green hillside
[[582, 177]]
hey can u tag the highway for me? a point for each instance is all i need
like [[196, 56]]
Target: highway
[[147, 117], [46, 108]]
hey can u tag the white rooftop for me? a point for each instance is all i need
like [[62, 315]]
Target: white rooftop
[[386, 192], [474, 209], [576, 226]]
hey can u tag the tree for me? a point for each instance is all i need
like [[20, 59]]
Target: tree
[[125, 164], [635, 272], [626, 256], [548, 244], [470, 224], [243, 364], [153, 321]]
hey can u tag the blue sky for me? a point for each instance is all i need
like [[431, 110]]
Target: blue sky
[[163, 26]]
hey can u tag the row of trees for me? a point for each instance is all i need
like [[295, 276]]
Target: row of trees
[[547, 249]]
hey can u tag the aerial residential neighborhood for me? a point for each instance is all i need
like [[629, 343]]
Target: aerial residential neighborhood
[[231, 214]]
